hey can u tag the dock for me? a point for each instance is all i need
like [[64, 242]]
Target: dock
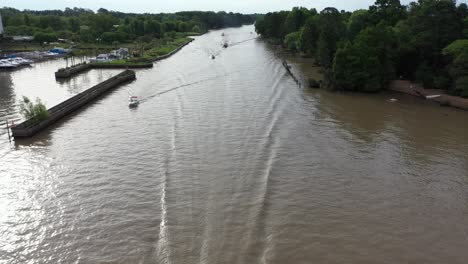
[[31, 127]]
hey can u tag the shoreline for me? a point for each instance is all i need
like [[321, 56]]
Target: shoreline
[[76, 69], [438, 96], [435, 95]]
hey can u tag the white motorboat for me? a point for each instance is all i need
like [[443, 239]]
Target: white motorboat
[[433, 96], [134, 101], [6, 64], [101, 58], [24, 61], [50, 54], [14, 62]]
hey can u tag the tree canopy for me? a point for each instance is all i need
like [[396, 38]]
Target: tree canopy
[[85, 25], [425, 41]]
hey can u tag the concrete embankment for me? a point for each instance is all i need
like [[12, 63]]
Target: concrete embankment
[[438, 96], [172, 52], [121, 66], [30, 127], [70, 71]]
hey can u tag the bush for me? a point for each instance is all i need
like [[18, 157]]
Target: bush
[[442, 82], [292, 41], [45, 37], [425, 75], [461, 87], [356, 68], [34, 111]]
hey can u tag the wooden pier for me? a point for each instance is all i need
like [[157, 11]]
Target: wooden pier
[[288, 69], [30, 127]]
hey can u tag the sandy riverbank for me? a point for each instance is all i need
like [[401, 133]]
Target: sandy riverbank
[[444, 99]]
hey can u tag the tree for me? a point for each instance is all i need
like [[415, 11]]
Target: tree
[[153, 27], [359, 20], [74, 24], [295, 19], [101, 22], [33, 111], [356, 69], [292, 41], [309, 35], [331, 31], [367, 63], [45, 37], [388, 11], [457, 52], [432, 25]]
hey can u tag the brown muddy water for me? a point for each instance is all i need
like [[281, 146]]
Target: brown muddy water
[[238, 165]]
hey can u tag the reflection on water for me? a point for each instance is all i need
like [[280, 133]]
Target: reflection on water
[[229, 161], [7, 98]]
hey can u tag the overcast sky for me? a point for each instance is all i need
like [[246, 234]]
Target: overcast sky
[[169, 6]]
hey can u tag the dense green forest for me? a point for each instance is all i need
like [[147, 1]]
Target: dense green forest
[[426, 41], [87, 26]]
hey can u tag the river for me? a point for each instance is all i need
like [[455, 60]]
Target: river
[[239, 164]]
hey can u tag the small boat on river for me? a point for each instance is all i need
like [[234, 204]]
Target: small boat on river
[[5, 64], [133, 101]]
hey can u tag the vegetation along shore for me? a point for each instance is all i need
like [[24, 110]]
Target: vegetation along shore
[[147, 36], [425, 42]]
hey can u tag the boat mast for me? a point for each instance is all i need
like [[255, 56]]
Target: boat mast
[[1, 26]]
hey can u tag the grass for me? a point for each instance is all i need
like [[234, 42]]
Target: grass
[[163, 49], [152, 49]]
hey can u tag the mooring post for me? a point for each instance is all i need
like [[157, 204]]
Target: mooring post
[[8, 130]]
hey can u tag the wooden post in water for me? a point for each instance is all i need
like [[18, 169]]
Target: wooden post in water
[[8, 130]]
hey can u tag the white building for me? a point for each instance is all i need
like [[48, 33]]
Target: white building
[[1, 25]]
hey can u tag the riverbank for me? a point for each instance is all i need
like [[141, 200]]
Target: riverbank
[[133, 63], [314, 80], [151, 47], [436, 95], [151, 55]]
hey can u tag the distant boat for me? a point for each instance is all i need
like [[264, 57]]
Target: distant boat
[[14, 62], [59, 50], [101, 58], [433, 96], [50, 54], [20, 61], [213, 57], [133, 101], [5, 64], [225, 44]]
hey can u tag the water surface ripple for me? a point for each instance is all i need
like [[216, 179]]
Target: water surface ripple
[[229, 161]]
